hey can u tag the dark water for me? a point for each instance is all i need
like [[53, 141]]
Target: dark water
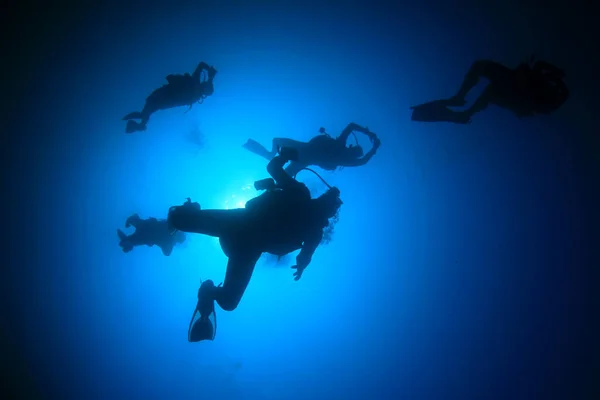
[[462, 266]]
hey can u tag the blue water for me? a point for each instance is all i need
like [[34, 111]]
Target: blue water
[[458, 269]]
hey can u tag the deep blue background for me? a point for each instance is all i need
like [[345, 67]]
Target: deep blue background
[[463, 265]]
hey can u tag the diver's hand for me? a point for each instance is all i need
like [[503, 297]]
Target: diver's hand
[[299, 271], [376, 142], [289, 153], [212, 71], [372, 136], [194, 205]]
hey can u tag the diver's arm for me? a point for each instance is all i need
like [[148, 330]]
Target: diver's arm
[[363, 160], [133, 220], [199, 68], [308, 249], [351, 128], [275, 169], [347, 131]]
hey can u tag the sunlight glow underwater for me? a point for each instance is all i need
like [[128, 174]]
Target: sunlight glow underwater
[[239, 199]]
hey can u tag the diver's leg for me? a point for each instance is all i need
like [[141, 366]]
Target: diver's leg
[[294, 167], [482, 102], [207, 222], [491, 70], [258, 149], [133, 115], [153, 104], [149, 109], [278, 143], [239, 271]]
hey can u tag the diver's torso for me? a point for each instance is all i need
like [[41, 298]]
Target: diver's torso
[[324, 152], [169, 95], [150, 233], [281, 220]]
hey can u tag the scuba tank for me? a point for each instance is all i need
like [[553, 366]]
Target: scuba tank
[[270, 188], [265, 184]]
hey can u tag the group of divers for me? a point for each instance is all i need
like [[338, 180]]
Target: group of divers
[[284, 218]]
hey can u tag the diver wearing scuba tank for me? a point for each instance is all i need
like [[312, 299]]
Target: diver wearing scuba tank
[[281, 220], [322, 150]]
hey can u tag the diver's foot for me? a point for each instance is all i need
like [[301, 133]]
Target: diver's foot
[[461, 117], [133, 126], [203, 328], [258, 149], [455, 102], [206, 298], [250, 144]]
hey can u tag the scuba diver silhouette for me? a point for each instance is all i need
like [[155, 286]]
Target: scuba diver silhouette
[[281, 220], [181, 90], [149, 232], [534, 87], [322, 150]]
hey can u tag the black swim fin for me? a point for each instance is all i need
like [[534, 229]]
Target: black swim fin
[[133, 115], [438, 111], [203, 325], [258, 149], [121, 234], [124, 241], [133, 126]]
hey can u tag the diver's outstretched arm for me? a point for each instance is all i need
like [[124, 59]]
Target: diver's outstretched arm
[[308, 249], [305, 256], [210, 71], [365, 159], [199, 68], [134, 220], [354, 127]]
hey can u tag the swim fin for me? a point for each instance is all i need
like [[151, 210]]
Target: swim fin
[[258, 149], [203, 325], [438, 111], [133, 126], [124, 241], [122, 235]]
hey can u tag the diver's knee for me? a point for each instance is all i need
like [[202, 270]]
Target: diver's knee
[[228, 297], [228, 302], [480, 67]]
